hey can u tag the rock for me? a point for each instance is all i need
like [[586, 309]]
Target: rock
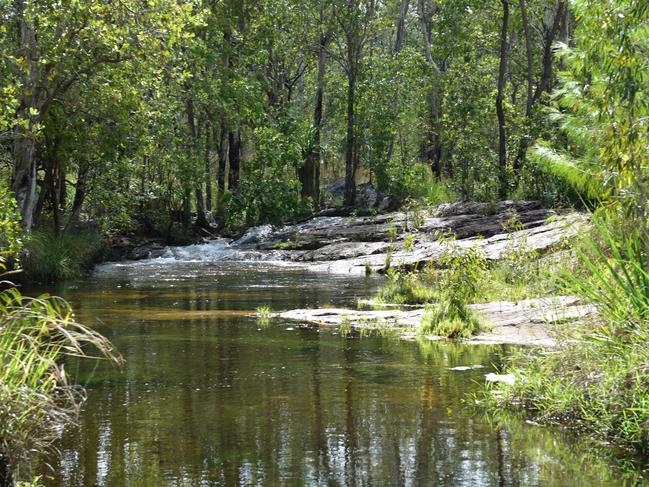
[[345, 250], [147, 251], [506, 378], [370, 198], [255, 235], [472, 207], [527, 322], [544, 237]]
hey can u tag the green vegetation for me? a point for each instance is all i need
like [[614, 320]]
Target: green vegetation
[[179, 119], [37, 399], [49, 258], [458, 286], [406, 288], [264, 314], [171, 118], [598, 379]]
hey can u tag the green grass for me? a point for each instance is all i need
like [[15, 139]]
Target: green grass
[[597, 384], [598, 381], [451, 319], [407, 288], [48, 258], [37, 399]]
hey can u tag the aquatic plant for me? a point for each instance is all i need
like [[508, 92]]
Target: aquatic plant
[[264, 314]]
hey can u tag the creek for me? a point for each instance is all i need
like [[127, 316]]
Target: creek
[[210, 395]]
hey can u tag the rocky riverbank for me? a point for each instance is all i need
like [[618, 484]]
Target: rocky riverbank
[[408, 240], [404, 239]]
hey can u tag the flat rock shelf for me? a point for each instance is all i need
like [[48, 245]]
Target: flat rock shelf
[[526, 322]]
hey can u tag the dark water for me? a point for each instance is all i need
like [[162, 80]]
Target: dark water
[[209, 396]]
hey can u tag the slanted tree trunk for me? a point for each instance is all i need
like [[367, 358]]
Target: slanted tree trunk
[[234, 155], [502, 80]]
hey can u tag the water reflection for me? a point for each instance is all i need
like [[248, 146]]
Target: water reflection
[[210, 398]]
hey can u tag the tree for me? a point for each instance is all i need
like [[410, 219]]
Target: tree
[[502, 81], [354, 19], [72, 44]]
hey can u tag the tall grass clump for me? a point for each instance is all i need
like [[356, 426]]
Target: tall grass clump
[[459, 285], [406, 288], [37, 398], [49, 258]]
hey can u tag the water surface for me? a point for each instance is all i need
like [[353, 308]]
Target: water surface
[[210, 396]]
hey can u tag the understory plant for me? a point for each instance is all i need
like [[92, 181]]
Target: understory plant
[[37, 398], [459, 285], [50, 258], [598, 380]]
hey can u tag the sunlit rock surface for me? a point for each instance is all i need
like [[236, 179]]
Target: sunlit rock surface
[[359, 244], [525, 322]]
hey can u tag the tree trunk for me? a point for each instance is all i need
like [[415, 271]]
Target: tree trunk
[[23, 183], [398, 45], [502, 80], [208, 166], [547, 76], [201, 221], [432, 150], [223, 157], [350, 173], [54, 198], [187, 207], [234, 154], [24, 174], [79, 197], [526, 138], [6, 477], [193, 151], [310, 173], [545, 83], [401, 24]]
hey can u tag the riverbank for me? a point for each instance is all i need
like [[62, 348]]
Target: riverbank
[[404, 239]]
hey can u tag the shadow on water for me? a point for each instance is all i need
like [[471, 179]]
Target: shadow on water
[[208, 397]]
